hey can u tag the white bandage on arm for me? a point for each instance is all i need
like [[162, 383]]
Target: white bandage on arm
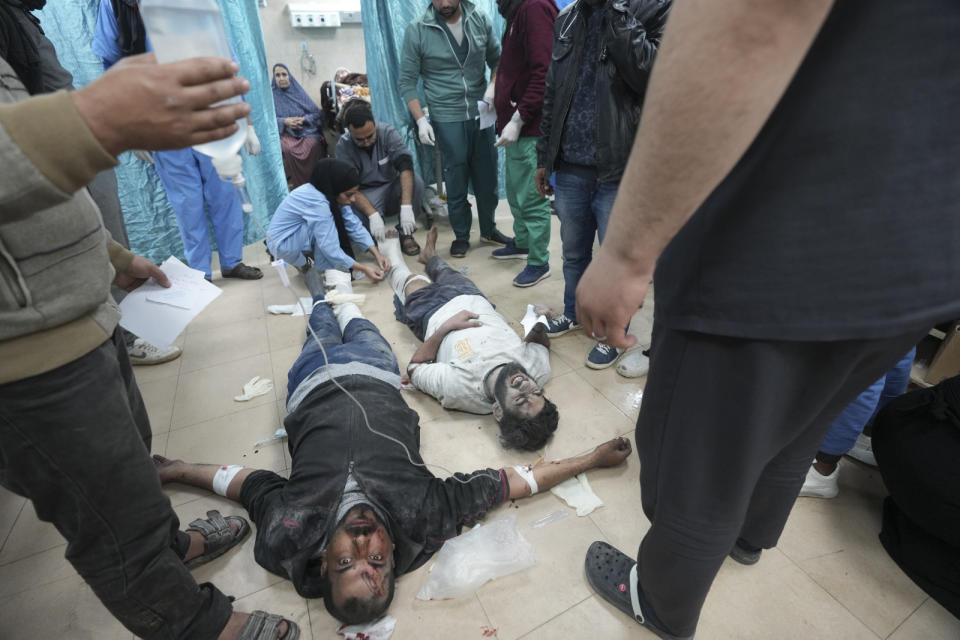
[[526, 472], [223, 477]]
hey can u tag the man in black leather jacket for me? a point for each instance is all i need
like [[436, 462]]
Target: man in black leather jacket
[[587, 133]]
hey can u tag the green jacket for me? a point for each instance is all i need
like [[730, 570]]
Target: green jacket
[[451, 91]]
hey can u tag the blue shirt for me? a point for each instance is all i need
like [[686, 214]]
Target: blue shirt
[[105, 36], [307, 206]]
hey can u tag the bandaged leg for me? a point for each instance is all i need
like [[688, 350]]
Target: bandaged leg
[[400, 276], [338, 280], [390, 247], [345, 313]]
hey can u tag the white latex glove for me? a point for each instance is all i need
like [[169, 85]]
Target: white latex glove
[[143, 156], [376, 227], [252, 143], [511, 132], [256, 387], [407, 222], [426, 132]]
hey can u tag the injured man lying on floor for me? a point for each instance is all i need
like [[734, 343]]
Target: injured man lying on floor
[[360, 507], [471, 359]]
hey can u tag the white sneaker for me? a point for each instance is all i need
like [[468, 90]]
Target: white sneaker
[[634, 364], [820, 486], [142, 352], [863, 450]]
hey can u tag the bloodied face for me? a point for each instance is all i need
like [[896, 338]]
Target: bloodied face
[[358, 559]]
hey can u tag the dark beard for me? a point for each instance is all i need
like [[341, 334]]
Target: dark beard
[[500, 385], [449, 12]]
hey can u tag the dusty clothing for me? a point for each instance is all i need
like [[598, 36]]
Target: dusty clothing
[[466, 356], [55, 255], [328, 440]]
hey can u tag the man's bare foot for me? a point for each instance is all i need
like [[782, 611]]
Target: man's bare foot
[[236, 622], [166, 469], [430, 248]]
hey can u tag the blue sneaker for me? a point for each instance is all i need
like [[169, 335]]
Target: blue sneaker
[[531, 275], [602, 356], [561, 325], [509, 252]]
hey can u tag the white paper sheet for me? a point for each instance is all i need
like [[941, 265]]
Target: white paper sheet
[[488, 115], [159, 315]]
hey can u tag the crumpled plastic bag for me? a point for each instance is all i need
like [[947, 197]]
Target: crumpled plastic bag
[[486, 552], [380, 629], [256, 387]]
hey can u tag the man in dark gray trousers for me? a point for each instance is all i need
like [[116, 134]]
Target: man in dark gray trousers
[[798, 200]]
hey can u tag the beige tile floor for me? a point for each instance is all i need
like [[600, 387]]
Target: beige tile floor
[[829, 578]]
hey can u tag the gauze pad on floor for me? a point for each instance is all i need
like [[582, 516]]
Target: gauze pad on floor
[[577, 493]]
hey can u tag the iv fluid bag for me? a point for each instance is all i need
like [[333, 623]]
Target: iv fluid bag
[[180, 29]]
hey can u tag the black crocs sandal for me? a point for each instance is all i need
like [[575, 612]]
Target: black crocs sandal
[[218, 537], [613, 575], [265, 626]]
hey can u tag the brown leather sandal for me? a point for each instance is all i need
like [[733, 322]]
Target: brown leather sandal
[[409, 246]]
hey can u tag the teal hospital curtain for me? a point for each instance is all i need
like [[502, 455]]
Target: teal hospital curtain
[[151, 224]]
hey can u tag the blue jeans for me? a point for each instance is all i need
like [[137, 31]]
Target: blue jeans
[[859, 413], [583, 206], [360, 342]]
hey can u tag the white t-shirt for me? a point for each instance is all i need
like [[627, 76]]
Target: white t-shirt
[[456, 28], [467, 355]]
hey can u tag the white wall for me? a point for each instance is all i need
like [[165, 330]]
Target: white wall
[[332, 47]]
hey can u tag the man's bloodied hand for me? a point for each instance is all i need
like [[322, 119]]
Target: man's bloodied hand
[[612, 453]]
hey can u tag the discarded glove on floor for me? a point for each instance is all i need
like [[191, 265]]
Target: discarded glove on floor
[[468, 561], [577, 493], [256, 387]]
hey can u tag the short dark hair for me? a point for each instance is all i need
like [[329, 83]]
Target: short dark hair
[[358, 114], [355, 610], [529, 434]]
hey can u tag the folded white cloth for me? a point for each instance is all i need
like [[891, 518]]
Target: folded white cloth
[[577, 493], [382, 629], [256, 387], [291, 309]]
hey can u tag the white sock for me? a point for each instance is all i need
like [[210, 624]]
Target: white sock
[[345, 313]]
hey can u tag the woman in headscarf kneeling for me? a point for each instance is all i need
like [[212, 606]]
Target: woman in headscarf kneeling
[[316, 221]]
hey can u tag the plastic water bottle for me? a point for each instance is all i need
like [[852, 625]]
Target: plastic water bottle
[[180, 29]]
